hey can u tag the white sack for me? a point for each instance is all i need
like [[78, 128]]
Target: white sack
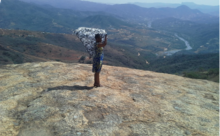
[[87, 37]]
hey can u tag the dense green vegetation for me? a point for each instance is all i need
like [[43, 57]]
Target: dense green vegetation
[[199, 66], [181, 63], [8, 57], [211, 74]]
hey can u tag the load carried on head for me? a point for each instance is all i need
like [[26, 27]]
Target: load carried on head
[[87, 37]]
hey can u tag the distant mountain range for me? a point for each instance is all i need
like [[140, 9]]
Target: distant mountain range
[[137, 13], [134, 13], [212, 10], [49, 19], [71, 4], [13, 15], [93, 6]]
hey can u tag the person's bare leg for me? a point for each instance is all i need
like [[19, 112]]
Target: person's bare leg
[[95, 84], [96, 79]]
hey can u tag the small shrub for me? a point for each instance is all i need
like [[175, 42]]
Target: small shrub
[[195, 75], [82, 59]]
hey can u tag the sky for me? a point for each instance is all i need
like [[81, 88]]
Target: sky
[[200, 2]]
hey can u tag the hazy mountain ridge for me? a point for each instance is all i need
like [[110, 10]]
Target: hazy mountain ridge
[[72, 4], [48, 19], [212, 10], [139, 14], [133, 12]]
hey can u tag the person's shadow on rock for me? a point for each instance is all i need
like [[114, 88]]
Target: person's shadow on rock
[[71, 88]]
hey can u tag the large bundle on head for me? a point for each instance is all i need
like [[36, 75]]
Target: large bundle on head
[[87, 37]]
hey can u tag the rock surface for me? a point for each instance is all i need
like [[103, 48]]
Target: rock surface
[[57, 99]]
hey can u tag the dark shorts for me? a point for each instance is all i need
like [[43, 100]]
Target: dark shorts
[[97, 63]]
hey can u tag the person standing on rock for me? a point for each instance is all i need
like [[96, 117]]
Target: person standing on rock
[[98, 58]]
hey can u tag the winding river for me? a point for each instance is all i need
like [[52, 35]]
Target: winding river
[[188, 47], [171, 52]]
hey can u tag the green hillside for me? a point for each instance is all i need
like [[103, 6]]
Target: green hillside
[[13, 15], [180, 63], [19, 46], [102, 21], [198, 66], [202, 37]]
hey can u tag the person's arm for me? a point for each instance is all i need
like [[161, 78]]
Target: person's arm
[[104, 43]]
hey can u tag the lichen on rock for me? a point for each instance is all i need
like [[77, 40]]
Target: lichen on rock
[[57, 99]]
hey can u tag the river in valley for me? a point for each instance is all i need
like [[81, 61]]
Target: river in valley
[[171, 52]]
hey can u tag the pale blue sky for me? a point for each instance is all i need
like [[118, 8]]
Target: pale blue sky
[[201, 2]]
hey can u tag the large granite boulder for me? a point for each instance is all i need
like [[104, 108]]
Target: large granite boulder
[[57, 99]]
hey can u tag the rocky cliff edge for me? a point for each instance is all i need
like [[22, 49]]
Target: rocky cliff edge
[[57, 99]]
